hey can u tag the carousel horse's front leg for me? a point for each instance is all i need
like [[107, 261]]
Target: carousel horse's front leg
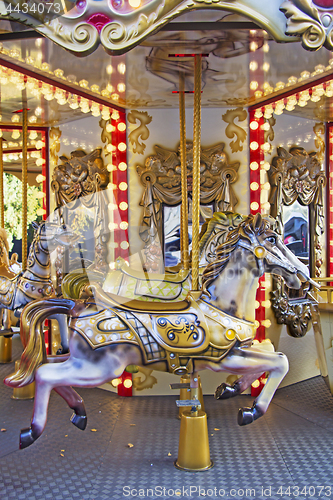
[[251, 363], [226, 391]]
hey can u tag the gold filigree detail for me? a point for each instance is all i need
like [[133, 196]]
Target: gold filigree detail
[[319, 130], [304, 20], [55, 134], [235, 130], [147, 382], [106, 135], [269, 132], [141, 131]]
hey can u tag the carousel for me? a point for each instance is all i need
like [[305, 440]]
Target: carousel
[[166, 249]]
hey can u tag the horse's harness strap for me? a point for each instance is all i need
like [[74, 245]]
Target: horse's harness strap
[[261, 253]]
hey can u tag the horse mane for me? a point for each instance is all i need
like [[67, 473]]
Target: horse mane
[[252, 226]]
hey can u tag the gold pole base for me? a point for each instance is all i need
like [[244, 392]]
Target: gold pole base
[[26, 392], [193, 451], [5, 349], [185, 394]]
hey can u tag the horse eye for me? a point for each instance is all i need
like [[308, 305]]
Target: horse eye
[[64, 226], [271, 239]]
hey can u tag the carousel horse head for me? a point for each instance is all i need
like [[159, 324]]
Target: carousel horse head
[[264, 253], [49, 235]]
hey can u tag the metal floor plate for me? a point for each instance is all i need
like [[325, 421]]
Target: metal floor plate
[[292, 445]]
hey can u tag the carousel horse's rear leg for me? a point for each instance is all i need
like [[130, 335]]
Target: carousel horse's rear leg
[[77, 372], [75, 402], [251, 363], [63, 329]]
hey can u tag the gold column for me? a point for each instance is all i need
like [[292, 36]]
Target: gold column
[[184, 205], [24, 187], [2, 202], [196, 172]]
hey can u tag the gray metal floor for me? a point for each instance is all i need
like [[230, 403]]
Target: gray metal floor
[[292, 445]]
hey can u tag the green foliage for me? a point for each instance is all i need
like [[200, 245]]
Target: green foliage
[[13, 206]]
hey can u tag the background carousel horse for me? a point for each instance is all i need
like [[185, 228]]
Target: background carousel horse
[[171, 286], [16, 290], [9, 268], [213, 330]]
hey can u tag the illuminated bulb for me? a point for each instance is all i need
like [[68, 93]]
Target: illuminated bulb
[[254, 205], [40, 178], [38, 111], [266, 303], [105, 113], [40, 162], [112, 226], [95, 111], [122, 166], [121, 127], [123, 186], [258, 114], [305, 75], [124, 245], [95, 88], [112, 206], [254, 125], [115, 97], [258, 93], [266, 205], [111, 168], [59, 73], [256, 304], [15, 118], [121, 87], [122, 146], [254, 145], [110, 128], [73, 101], [254, 165], [40, 195], [253, 46], [110, 148], [266, 323], [123, 205], [265, 47], [109, 88], [40, 211], [16, 134], [84, 84], [40, 144], [292, 80], [279, 86], [121, 68], [266, 186], [266, 165], [255, 384], [112, 186], [265, 126], [123, 225], [254, 85], [266, 146], [32, 119], [115, 115], [127, 383], [116, 381], [109, 69], [253, 65], [254, 186], [266, 66]]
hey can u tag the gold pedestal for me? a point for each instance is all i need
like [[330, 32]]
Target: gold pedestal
[[26, 392], [5, 349], [193, 452], [185, 394]]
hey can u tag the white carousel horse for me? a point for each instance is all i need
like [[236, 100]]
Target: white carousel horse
[[17, 290], [213, 331], [9, 268]]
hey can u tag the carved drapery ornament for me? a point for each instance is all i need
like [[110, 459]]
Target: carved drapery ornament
[[297, 175], [161, 178], [233, 130], [82, 178]]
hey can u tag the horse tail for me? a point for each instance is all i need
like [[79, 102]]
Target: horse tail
[[33, 316]]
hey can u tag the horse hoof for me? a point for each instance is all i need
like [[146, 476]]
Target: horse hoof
[[225, 391], [62, 351], [79, 421], [248, 415], [26, 438]]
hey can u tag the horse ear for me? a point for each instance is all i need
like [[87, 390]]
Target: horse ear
[[35, 225], [257, 222]]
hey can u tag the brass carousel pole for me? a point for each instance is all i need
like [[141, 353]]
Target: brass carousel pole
[[2, 204], [193, 450], [196, 172], [24, 187], [184, 205]]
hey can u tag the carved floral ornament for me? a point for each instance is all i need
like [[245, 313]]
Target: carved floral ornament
[[82, 26]]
